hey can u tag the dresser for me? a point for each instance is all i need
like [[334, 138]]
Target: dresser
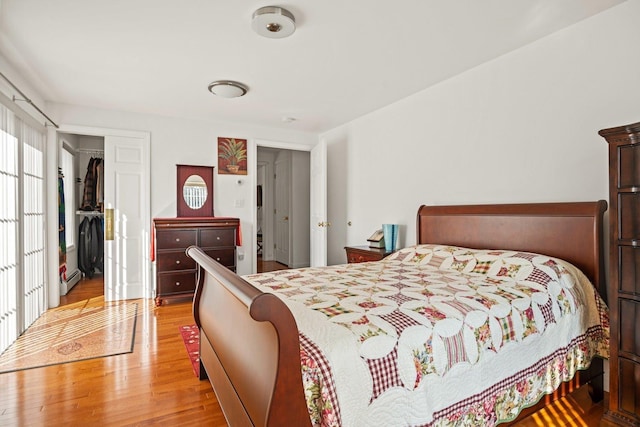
[[624, 273], [175, 271], [365, 254]]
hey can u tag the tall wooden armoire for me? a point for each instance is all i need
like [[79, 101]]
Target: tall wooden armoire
[[624, 273]]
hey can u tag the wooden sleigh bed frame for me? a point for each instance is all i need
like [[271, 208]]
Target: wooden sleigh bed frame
[[249, 344]]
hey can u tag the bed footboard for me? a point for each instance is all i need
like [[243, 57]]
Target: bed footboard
[[249, 348]]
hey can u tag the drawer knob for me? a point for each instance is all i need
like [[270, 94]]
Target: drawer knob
[[177, 283], [218, 238], [177, 239], [217, 259], [177, 261]]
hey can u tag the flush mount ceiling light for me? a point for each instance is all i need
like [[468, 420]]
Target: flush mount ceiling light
[[273, 22], [227, 89]]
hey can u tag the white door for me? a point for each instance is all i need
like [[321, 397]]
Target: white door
[[283, 175], [318, 192], [127, 213]]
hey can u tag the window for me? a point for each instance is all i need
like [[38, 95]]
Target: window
[[68, 174], [22, 224], [9, 243], [33, 286]]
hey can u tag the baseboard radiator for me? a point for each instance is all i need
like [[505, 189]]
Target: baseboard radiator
[[72, 279]]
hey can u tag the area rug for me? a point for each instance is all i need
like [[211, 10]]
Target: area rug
[[191, 338], [71, 333]]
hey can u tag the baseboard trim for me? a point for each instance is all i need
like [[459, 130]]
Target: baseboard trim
[[72, 279]]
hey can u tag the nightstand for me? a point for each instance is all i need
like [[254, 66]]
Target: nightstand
[[365, 254]]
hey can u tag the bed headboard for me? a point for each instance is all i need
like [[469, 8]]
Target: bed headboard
[[571, 231]]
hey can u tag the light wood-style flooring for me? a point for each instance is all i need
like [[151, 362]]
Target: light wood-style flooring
[[264, 266], [155, 384]]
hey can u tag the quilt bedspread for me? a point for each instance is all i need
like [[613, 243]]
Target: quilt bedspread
[[439, 335]]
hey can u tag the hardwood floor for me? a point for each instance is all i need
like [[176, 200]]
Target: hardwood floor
[[155, 384], [264, 266], [575, 410]]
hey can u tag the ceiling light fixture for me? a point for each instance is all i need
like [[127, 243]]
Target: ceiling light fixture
[[273, 22], [227, 89]]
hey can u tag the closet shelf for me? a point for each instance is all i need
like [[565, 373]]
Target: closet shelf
[[90, 213]]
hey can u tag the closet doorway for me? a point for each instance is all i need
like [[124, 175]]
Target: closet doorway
[[81, 234], [120, 214], [282, 206]]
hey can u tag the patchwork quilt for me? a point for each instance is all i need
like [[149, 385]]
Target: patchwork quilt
[[438, 335]]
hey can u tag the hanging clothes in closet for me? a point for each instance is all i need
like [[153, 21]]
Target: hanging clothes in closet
[[91, 246], [93, 194], [90, 231], [62, 241]]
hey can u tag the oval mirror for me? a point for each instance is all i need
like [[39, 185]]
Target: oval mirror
[[194, 191]]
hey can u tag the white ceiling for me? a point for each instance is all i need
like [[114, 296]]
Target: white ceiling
[[345, 59]]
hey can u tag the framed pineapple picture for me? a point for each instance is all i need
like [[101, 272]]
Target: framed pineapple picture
[[232, 156]]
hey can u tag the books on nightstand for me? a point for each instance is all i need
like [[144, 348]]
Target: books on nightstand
[[376, 240], [379, 244]]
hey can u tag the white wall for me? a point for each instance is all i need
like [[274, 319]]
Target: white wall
[[521, 128], [179, 141], [17, 79]]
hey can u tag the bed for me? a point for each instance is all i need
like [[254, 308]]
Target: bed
[[267, 367]]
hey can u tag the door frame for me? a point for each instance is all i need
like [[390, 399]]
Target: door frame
[[252, 171], [54, 289]]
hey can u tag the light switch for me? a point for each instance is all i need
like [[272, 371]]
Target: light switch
[[239, 203]]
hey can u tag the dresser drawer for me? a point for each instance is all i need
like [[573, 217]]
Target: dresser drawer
[[629, 269], [226, 257], [175, 239], [176, 283], [217, 237], [356, 254], [628, 371], [174, 260], [629, 342], [356, 257], [629, 170], [629, 215]]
